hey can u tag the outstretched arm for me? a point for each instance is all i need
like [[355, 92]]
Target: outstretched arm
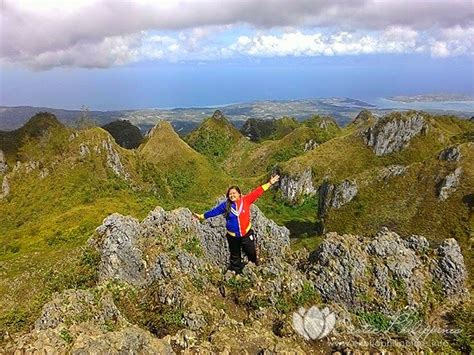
[[219, 209], [255, 194]]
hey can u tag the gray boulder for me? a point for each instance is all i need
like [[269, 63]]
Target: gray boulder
[[121, 258], [451, 154], [85, 322], [113, 159], [450, 271], [449, 184]]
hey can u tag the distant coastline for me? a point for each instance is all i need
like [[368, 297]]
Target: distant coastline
[[431, 98]]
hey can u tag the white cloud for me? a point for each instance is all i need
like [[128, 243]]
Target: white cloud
[[45, 34], [439, 49], [339, 43]]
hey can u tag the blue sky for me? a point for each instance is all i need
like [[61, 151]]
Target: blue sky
[[142, 54]]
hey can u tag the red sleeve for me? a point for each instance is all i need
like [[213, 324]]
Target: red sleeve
[[255, 194]]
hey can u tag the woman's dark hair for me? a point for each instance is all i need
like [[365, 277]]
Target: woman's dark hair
[[228, 203]]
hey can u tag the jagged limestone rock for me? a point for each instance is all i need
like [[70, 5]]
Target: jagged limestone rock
[[448, 184], [391, 134], [44, 173], [113, 160], [450, 154], [3, 163], [5, 188], [84, 150], [310, 145], [83, 322], [293, 188], [385, 272], [450, 271], [392, 171], [335, 196], [31, 165], [137, 252], [121, 259], [218, 115]]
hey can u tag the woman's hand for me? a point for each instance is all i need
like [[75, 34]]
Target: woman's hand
[[274, 179], [198, 216]]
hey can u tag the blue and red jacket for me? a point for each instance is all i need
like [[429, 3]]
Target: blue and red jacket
[[238, 220]]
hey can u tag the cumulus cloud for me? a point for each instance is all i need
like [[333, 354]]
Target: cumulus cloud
[[44, 34], [394, 40]]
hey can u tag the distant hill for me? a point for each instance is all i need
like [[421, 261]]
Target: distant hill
[[125, 134], [37, 126], [258, 129], [342, 109], [215, 137]]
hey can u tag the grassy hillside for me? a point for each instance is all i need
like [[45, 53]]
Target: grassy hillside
[[55, 205], [215, 138], [347, 154], [81, 177], [252, 159], [408, 203], [46, 221], [188, 175], [37, 126], [125, 134], [259, 130]]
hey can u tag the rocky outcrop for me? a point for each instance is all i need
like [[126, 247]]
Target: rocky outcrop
[[392, 171], [294, 188], [451, 154], [218, 115], [335, 196], [136, 252], [385, 272], [84, 150], [450, 271], [31, 165], [113, 160], [310, 145], [448, 184], [82, 322], [393, 134], [3, 163], [121, 259], [5, 188]]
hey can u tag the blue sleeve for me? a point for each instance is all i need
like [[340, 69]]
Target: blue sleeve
[[219, 209]]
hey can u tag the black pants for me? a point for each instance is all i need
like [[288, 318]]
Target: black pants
[[248, 245]]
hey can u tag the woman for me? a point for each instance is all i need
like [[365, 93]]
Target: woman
[[236, 210]]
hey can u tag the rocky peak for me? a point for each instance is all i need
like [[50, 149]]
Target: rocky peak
[[394, 132], [3, 163], [365, 117], [218, 115], [161, 126]]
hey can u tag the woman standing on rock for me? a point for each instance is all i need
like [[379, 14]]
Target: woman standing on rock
[[240, 235]]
